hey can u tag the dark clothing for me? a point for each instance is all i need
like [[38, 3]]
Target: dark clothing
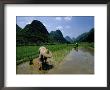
[[43, 58], [76, 45]]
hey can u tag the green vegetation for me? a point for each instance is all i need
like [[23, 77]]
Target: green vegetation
[[86, 45], [59, 51], [24, 53]]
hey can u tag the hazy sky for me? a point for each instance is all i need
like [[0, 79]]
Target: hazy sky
[[69, 25]]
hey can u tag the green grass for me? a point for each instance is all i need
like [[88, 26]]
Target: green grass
[[24, 53], [59, 51], [86, 45]]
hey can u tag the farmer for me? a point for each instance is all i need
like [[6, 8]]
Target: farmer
[[76, 46], [44, 53]]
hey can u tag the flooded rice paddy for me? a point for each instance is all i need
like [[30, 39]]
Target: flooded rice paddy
[[79, 61]]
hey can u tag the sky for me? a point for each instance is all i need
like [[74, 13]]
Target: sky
[[71, 26]]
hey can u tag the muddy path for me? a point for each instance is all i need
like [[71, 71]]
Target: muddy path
[[76, 62]]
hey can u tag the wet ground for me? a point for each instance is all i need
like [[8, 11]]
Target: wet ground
[[79, 61]]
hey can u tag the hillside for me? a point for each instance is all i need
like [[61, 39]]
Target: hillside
[[86, 37], [57, 37], [36, 33], [68, 39]]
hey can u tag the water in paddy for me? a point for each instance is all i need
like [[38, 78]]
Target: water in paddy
[[76, 62]]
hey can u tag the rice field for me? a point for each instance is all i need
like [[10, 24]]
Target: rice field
[[59, 51], [25, 53]]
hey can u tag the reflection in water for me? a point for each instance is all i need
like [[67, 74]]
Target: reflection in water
[[31, 62], [76, 48], [32, 67], [88, 50], [46, 66], [78, 61]]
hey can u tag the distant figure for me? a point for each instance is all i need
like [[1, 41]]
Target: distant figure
[[76, 46], [44, 53]]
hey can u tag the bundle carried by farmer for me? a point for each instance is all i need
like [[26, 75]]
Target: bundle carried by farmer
[[44, 53]]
